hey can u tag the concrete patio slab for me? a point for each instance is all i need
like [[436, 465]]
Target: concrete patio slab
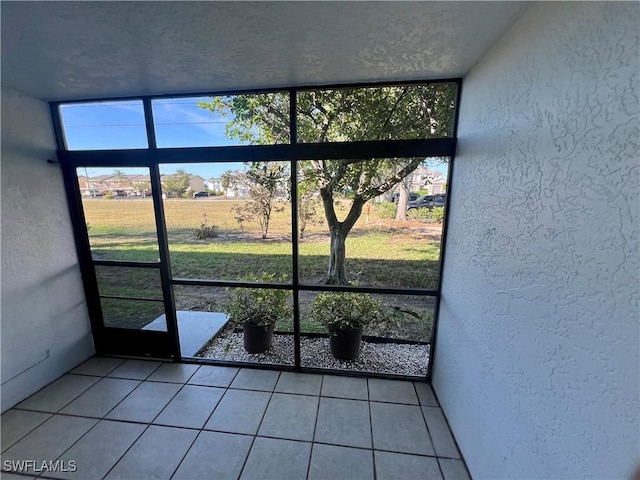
[[194, 328]]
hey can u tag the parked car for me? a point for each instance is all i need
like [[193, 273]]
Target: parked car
[[428, 201], [200, 194], [413, 196]]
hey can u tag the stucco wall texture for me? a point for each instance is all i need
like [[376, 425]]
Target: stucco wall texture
[[45, 323], [537, 359]]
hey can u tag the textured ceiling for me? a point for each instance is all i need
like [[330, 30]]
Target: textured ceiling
[[78, 50]]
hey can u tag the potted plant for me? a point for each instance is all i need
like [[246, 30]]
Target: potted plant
[[346, 314], [257, 310]]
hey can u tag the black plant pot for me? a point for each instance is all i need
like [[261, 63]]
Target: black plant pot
[[257, 339], [345, 344]]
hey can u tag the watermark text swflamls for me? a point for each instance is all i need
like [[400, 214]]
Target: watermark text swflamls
[[39, 466]]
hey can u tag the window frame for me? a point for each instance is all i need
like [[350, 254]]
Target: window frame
[[293, 152]]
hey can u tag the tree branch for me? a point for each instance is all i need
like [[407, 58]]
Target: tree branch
[[394, 180], [329, 208], [354, 213], [392, 111]]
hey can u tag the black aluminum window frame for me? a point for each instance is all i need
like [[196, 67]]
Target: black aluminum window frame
[[152, 157]]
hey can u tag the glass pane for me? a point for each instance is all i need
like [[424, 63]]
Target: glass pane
[[396, 331], [104, 125], [133, 314], [251, 119], [129, 282], [118, 209], [381, 249], [376, 113], [212, 318], [228, 224]]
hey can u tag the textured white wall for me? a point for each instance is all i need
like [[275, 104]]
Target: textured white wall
[[44, 318], [537, 361]]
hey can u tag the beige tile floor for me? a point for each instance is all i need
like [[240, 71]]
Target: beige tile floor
[[132, 419]]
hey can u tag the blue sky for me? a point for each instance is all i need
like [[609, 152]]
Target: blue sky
[[179, 122]]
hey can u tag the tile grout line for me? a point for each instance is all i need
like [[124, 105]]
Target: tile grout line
[[143, 431], [455, 440], [373, 451], [22, 438], [433, 446], [199, 431], [244, 464], [226, 389], [137, 422], [51, 415], [175, 470], [105, 419], [80, 374], [160, 363], [315, 426]]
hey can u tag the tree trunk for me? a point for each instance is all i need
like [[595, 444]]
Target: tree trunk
[[336, 275], [402, 199]]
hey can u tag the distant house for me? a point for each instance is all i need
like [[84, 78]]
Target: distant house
[[236, 189], [421, 179], [425, 178], [214, 184], [196, 183], [129, 185]]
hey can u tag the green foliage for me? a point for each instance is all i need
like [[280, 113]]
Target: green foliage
[[420, 214], [347, 114], [307, 207], [386, 210], [347, 310], [255, 119], [266, 181], [176, 185], [258, 306], [120, 176], [108, 196], [226, 180], [437, 214], [205, 231]]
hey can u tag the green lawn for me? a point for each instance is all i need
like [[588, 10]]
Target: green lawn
[[380, 252]]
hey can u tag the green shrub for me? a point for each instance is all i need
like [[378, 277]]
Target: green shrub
[[258, 306], [346, 310], [205, 231], [421, 214], [437, 214], [108, 196], [386, 210]]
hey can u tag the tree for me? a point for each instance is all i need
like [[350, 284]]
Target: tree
[[403, 198], [307, 205], [176, 185], [348, 114], [265, 182], [143, 188], [119, 177], [226, 180]]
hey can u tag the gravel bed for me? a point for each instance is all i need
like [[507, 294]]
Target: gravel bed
[[393, 358]]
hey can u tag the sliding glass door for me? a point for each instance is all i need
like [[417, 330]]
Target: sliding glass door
[[131, 298]]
